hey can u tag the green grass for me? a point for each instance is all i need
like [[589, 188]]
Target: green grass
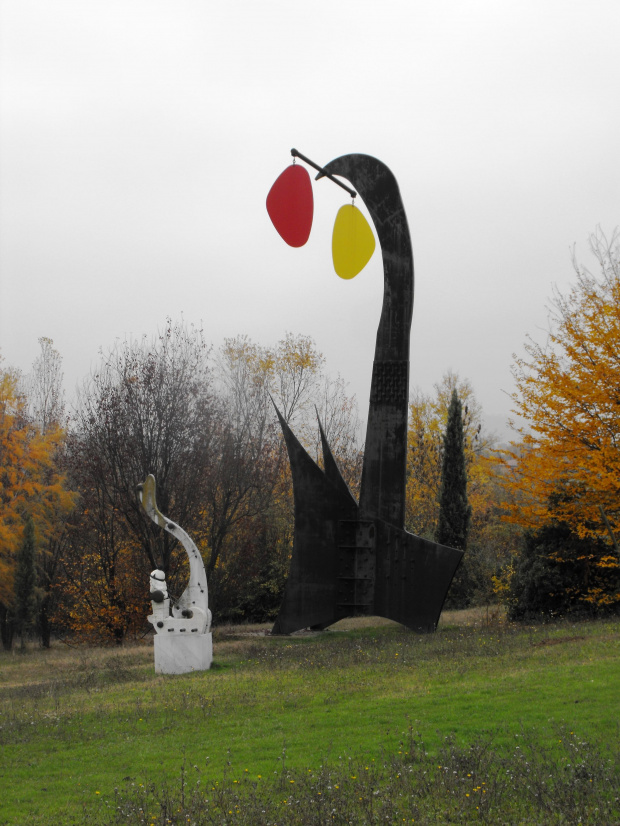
[[76, 724]]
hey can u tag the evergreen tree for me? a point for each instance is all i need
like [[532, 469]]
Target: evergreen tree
[[25, 580], [454, 508]]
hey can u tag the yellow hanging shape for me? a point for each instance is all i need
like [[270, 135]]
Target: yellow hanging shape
[[353, 242]]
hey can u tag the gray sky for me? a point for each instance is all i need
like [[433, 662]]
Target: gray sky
[[139, 139]]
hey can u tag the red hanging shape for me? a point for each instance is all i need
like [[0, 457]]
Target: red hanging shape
[[291, 206]]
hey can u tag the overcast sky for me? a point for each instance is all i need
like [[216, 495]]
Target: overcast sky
[[139, 139]]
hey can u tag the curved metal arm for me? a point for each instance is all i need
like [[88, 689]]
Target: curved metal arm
[[193, 602], [382, 491]]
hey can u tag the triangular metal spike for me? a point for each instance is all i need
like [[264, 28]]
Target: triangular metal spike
[[320, 502], [332, 471], [303, 466]]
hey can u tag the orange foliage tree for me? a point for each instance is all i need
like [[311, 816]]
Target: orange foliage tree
[[102, 595], [567, 468], [30, 485], [45, 396]]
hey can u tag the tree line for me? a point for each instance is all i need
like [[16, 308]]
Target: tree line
[[539, 521], [203, 422]]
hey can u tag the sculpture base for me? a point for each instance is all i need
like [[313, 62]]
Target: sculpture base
[[180, 653]]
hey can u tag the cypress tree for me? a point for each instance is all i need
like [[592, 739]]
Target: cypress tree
[[25, 580], [454, 508]]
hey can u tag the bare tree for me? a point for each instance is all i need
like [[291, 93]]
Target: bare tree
[[149, 408], [44, 387]]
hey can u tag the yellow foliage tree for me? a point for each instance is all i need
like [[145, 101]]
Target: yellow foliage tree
[[567, 467], [427, 423], [249, 558], [30, 483], [490, 542]]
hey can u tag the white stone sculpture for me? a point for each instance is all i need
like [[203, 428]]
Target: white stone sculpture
[[183, 640]]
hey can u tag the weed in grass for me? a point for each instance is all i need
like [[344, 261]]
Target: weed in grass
[[560, 779]]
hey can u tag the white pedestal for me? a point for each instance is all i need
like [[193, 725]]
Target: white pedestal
[[179, 653]]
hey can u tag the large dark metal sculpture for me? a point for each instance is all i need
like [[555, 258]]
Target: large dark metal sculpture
[[354, 559]]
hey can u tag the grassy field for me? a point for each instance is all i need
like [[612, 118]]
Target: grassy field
[[364, 723]]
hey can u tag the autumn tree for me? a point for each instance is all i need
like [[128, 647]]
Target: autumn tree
[[254, 505], [13, 463], [296, 370], [207, 429], [101, 588], [567, 470], [490, 542], [46, 406], [249, 455], [30, 484], [428, 418], [292, 374], [148, 408]]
